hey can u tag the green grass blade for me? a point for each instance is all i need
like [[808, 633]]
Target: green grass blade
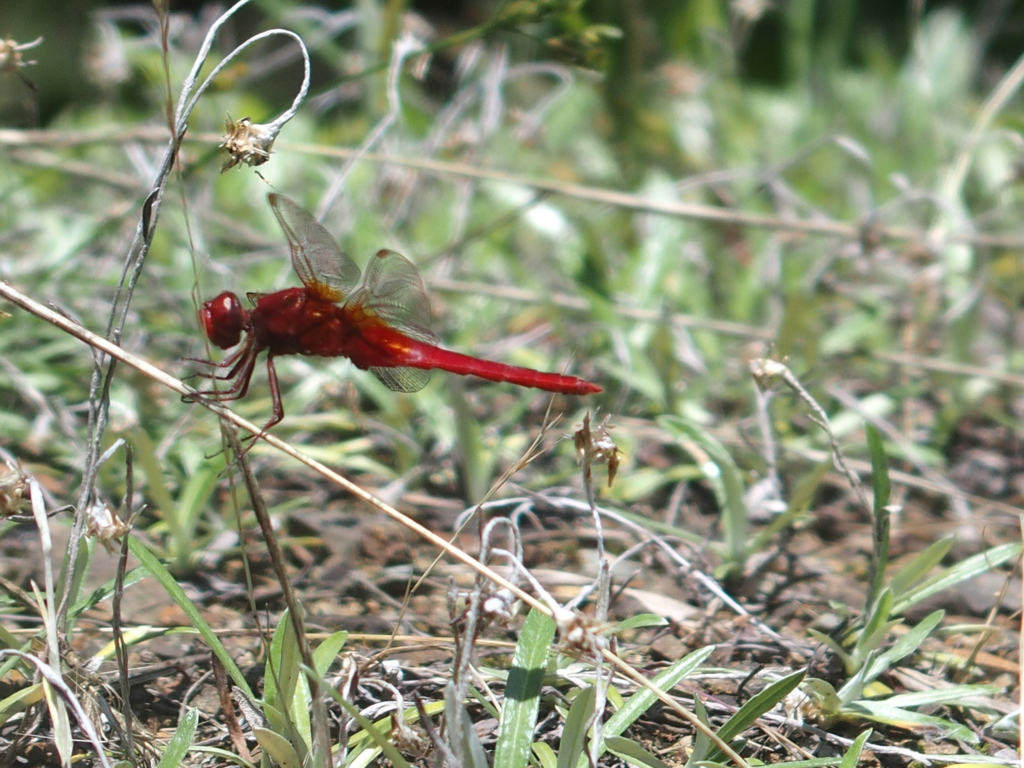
[[903, 647], [574, 732], [727, 482], [879, 467], [983, 562], [328, 651], [522, 692], [936, 727], [701, 742], [758, 704], [852, 756], [178, 746], [880, 531], [642, 700], [919, 567], [633, 753], [177, 594]]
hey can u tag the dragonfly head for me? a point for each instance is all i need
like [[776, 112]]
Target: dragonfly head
[[224, 320]]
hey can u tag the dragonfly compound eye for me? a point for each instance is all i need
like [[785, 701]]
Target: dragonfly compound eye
[[223, 320]]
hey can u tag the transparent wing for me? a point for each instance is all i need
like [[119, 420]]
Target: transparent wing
[[393, 291], [402, 379], [321, 265]]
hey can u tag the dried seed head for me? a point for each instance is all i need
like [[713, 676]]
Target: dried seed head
[[247, 142], [13, 489], [407, 739], [10, 54], [582, 635], [104, 525], [596, 447], [500, 607]]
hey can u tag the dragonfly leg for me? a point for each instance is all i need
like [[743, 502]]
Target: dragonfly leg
[[275, 394], [241, 373], [234, 361], [275, 399]]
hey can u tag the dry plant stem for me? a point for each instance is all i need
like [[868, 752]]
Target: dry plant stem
[[154, 373], [956, 497], [905, 478], [120, 647], [57, 683], [762, 399], [99, 388], [464, 519], [642, 204], [321, 754], [945, 366], [403, 47], [625, 200], [1008, 86], [47, 609], [765, 369], [706, 581]]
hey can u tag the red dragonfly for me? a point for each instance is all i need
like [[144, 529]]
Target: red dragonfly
[[381, 323]]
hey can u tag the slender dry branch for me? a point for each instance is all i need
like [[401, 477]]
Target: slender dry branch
[[615, 198], [156, 374]]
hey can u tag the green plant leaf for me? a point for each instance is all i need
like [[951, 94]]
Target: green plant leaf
[[633, 752], [574, 732], [983, 562], [640, 621], [852, 757], [935, 727], [98, 595], [919, 567], [177, 594], [878, 664], [726, 480], [879, 467], [876, 629], [283, 667], [470, 747], [954, 694], [286, 688], [522, 691], [545, 755], [178, 746], [757, 705], [278, 747], [328, 651], [824, 696], [701, 742], [664, 681], [881, 518], [19, 701], [906, 644]]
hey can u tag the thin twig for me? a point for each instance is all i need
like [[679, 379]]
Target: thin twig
[[616, 198], [156, 374], [58, 684], [764, 370]]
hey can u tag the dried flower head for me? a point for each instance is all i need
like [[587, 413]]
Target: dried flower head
[[13, 489], [104, 525], [247, 142], [596, 446], [10, 54], [500, 607], [406, 738], [582, 635]]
